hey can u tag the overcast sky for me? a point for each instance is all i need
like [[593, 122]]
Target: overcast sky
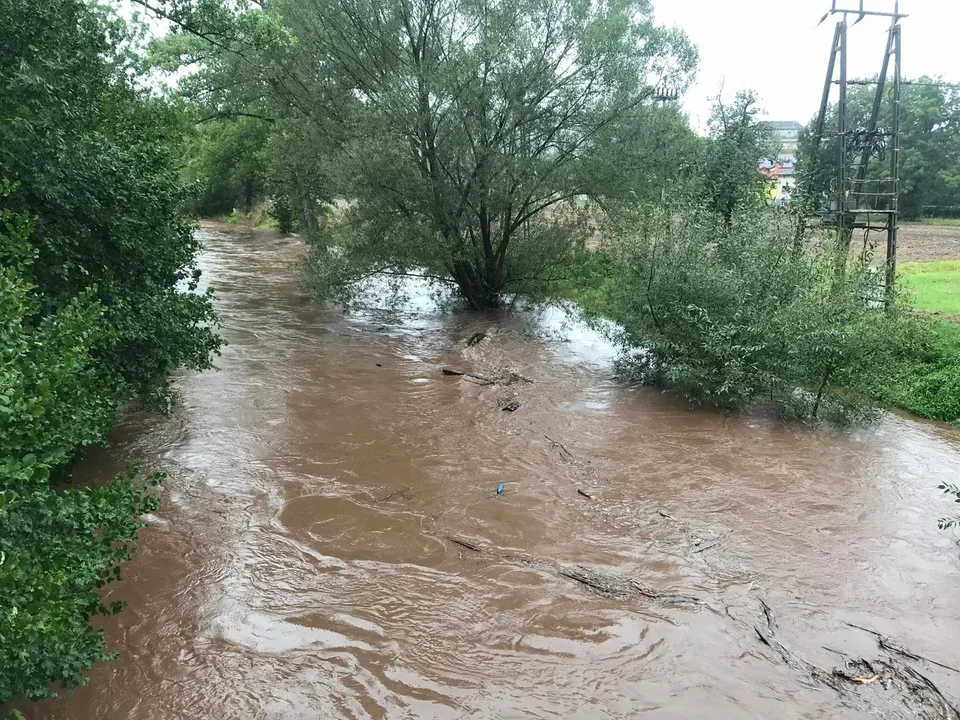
[[776, 48]]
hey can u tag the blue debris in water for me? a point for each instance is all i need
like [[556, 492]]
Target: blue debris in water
[[500, 489]]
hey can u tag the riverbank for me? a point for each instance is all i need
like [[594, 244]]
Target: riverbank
[[259, 219], [929, 382]]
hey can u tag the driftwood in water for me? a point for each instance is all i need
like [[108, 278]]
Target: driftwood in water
[[559, 446], [478, 379], [918, 693], [895, 648], [469, 376], [619, 586], [475, 339], [465, 544], [600, 582], [920, 696], [503, 377]]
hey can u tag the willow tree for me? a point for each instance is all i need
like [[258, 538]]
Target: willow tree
[[481, 128], [467, 134]]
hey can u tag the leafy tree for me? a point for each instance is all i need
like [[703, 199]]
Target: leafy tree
[[97, 305], [228, 160], [465, 133], [96, 157], [56, 548], [737, 143], [930, 148], [300, 182]]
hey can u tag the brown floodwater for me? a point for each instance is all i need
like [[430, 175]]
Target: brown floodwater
[[301, 564]]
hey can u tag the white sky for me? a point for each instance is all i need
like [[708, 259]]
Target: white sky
[[775, 48]]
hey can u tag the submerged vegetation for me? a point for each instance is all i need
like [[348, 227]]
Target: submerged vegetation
[[735, 314], [732, 314]]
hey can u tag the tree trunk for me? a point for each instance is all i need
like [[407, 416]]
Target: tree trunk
[[307, 213], [248, 195], [475, 288]]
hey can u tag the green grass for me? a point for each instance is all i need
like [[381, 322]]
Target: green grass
[[934, 286], [949, 333], [586, 281], [951, 222], [927, 382]]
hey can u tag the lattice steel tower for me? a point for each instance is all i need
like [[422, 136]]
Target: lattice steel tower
[[859, 202]]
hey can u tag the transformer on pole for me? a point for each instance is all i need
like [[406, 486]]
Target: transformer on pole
[[859, 202]]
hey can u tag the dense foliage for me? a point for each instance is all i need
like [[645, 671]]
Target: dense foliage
[[227, 159], [97, 162], [738, 141], [261, 142], [731, 313], [927, 382], [56, 548], [463, 134], [96, 307]]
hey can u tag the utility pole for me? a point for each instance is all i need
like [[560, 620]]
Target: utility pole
[[894, 169], [663, 95], [855, 206]]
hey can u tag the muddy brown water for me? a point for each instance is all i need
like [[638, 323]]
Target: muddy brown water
[[301, 567]]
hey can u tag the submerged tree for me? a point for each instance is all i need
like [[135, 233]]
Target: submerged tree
[[468, 134], [727, 314], [486, 122]]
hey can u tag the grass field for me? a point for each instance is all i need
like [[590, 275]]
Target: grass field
[[935, 286], [943, 222]]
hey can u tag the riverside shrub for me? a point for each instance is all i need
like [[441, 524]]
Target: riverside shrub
[[732, 314]]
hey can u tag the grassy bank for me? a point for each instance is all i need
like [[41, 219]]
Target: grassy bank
[[943, 222], [927, 381], [934, 286], [259, 218], [928, 385]]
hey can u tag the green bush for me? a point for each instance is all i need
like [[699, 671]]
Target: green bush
[[56, 548], [280, 214], [735, 314], [98, 304], [937, 395], [927, 377], [96, 158], [586, 280]]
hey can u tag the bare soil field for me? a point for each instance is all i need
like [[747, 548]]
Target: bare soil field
[[926, 243]]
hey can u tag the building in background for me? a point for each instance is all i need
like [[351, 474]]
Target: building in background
[[786, 133], [781, 171]]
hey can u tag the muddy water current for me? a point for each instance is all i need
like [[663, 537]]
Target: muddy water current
[[331, 543]]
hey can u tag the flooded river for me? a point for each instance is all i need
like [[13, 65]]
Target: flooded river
[[331, 543]]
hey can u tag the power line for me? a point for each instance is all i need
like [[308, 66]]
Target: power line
[[904, 82]]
